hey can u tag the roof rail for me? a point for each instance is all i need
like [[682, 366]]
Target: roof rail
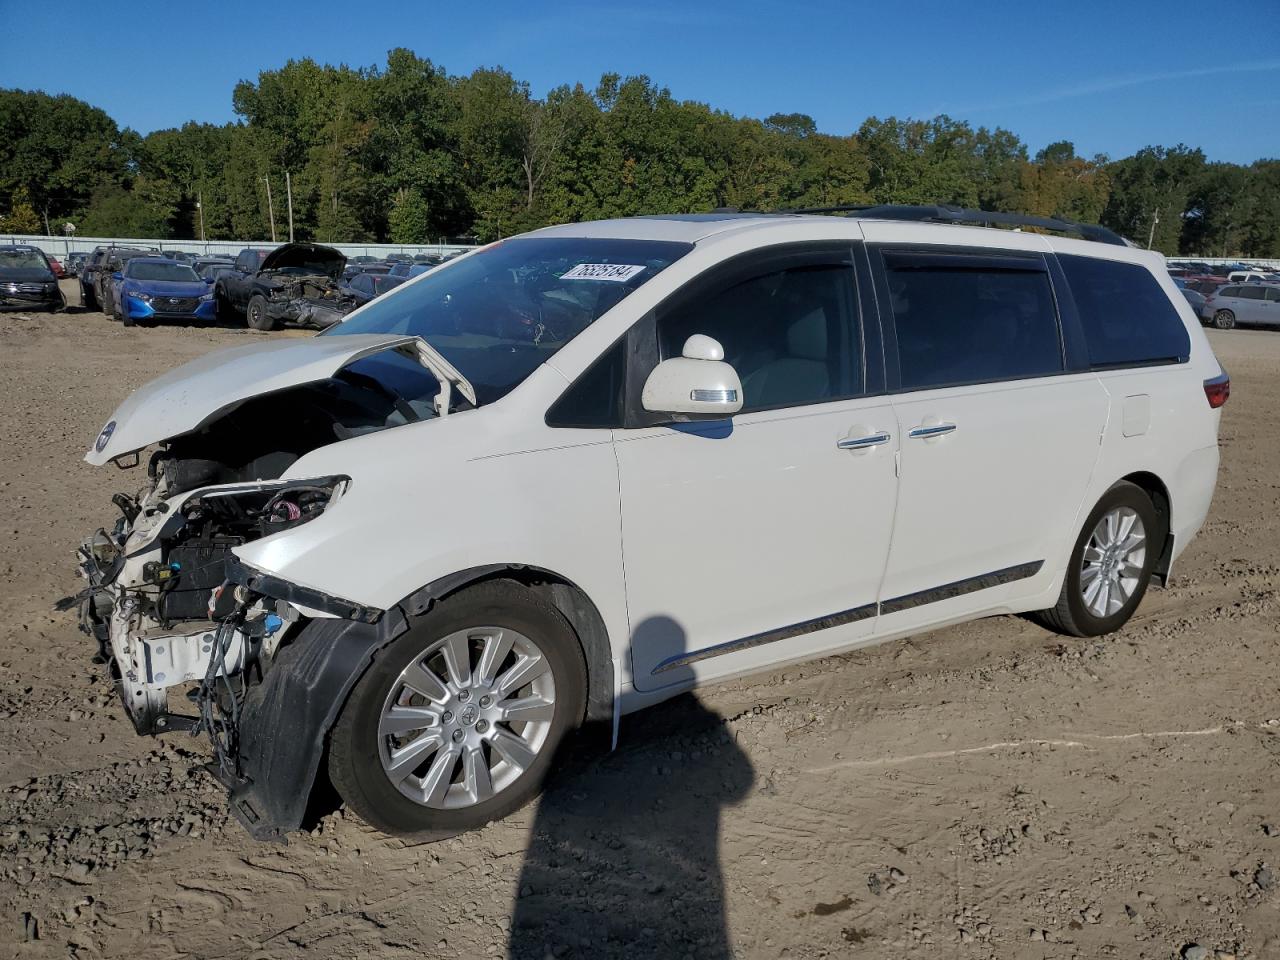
[[947, 213]]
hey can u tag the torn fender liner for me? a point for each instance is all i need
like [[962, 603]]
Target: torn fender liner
[[287, 717]]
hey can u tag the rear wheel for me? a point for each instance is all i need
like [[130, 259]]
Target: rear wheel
[[1110, 566], [87, 299], [458, 721], [1224, 319], [256, 314]]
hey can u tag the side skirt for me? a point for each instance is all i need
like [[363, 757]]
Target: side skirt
[[947, 591]]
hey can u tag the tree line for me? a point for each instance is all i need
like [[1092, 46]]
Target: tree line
[[410, 154]]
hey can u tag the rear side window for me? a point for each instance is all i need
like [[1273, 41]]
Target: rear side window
[[1127, 318], [962, 320], [1249, 293]]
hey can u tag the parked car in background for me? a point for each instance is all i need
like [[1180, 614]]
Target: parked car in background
[[88, 271], [55, 266], [104, 276], [74, 262], [182, 256], [401, 268], [368, 286], [295, 283], [158, 288], [27, 281], [375, 267], [1243, 303], [533, 489], [362, 258], [1196, 299], [210, 268], [1205, 283], [1248, 276]]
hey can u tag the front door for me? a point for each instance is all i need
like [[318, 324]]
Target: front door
[[763, 538]]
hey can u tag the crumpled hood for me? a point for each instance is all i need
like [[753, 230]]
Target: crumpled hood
[[168, 288], [326, 260], [186, 397]]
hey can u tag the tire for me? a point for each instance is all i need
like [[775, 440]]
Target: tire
[[223, 311], [362, 757], [1224, 320], [1075, 614], [87, 299], [256, 316]]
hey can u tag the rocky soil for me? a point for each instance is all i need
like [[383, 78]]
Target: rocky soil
[[986, 791]]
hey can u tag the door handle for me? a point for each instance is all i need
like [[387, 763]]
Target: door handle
[[861, 443], [931, 430]]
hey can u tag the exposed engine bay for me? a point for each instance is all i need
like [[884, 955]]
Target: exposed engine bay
[[167, 600], [313, 300]]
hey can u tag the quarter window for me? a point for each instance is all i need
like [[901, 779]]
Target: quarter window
[[1127, 317], [1248, 293], [968, 321], [788, 333]]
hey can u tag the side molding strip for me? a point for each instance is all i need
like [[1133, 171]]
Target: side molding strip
[[947, 591], [958, 589], [771, 636]]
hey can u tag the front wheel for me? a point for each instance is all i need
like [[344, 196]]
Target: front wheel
[[458, 721], [1110, 566], [256, 314], [1224, 320]]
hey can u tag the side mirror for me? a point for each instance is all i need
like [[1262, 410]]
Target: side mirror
[[697, 385], [117, 275]]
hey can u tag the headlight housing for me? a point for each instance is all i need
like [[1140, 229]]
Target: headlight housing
[[253, 511], [144, 297]]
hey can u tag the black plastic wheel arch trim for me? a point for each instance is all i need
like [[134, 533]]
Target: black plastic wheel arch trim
[[947, 591]]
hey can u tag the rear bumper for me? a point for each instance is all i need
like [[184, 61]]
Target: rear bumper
[[1193, 487]]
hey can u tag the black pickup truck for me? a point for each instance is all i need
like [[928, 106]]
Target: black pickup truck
[[296, 283]]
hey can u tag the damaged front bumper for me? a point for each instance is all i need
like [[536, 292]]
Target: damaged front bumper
[[169, 615], [308, 312]]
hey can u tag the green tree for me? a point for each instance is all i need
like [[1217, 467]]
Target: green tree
[[22, 216], [410, 218]]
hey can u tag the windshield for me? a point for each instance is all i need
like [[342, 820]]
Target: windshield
[[158, 270], [501, 312], [22, 260]]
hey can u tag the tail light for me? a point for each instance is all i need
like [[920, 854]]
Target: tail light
[[1217, 389]]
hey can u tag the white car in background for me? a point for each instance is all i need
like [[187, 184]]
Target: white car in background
[[580, 471]]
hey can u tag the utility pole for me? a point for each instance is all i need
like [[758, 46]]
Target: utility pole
[[270, 211], [1155, 218], [288, 192], [47, 231], [200, 210]]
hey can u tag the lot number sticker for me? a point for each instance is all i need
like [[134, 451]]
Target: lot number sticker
[[615, 272]]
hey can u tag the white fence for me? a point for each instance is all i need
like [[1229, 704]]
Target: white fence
[[61, 246], [1224, 261]]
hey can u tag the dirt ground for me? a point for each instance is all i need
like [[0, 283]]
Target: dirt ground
[[989, 790]]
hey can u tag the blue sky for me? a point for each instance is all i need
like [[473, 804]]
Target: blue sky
[[1112, 77]]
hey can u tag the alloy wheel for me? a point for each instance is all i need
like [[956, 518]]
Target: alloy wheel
[[1113, 562], [466, 717]]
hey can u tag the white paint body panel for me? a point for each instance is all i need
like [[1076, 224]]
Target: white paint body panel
[[727, 536]]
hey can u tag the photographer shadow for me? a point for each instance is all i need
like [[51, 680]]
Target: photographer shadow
[[623, 858]]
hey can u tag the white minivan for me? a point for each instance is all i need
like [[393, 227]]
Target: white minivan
[[577, 472]]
